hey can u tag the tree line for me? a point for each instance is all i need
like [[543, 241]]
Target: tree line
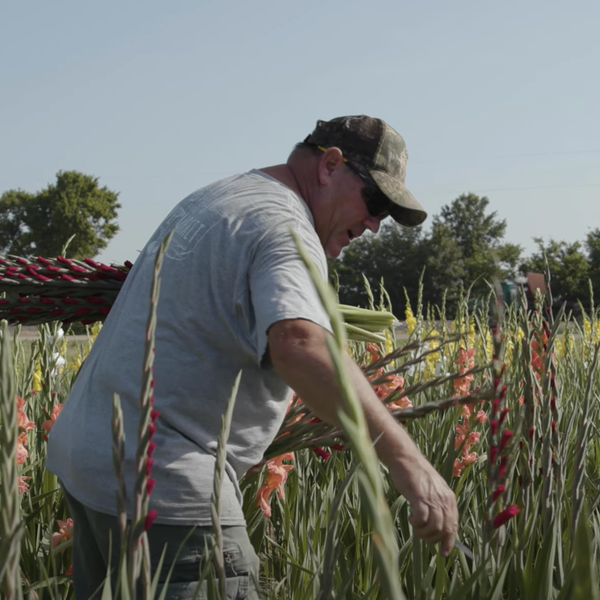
[[463, 248], [41, 223]]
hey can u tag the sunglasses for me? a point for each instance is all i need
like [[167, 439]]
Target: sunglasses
[[377, 204]]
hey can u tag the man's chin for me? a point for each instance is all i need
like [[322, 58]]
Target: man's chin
[[333, 252]]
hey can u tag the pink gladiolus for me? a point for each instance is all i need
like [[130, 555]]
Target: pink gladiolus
[[481, 416], [469, 458], [65, 532], [506, 515], [462, 384], [47, 425], [263, 496], [458, 440], [22, 453], [401, 404], [536, 360], [23, 485], [392, 384], [457, 467], [374, 351], [473, 438], [462, 429], [465, 357], [23, 421]]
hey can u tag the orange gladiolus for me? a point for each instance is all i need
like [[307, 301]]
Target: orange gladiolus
[[276, 477]]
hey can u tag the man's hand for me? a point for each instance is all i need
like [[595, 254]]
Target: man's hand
[[298, 351], [434, 514]]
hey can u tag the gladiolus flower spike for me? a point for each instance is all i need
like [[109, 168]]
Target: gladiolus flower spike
[[506, 515]]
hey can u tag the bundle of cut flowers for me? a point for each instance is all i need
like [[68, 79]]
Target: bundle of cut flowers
[[40, 290]]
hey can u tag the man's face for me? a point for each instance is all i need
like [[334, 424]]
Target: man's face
[[343, 215]]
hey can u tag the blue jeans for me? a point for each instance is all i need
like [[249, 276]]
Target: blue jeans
[[92, 535]]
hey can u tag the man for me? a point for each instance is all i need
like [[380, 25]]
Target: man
[[235, 295]]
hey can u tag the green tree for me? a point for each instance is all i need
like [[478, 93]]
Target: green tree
[[396, 255], [478, 234], [569, 269], [464, 246], [444, 266], [592, 245], [42, 223]]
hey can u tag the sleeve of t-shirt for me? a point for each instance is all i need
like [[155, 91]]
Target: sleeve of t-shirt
[[280, 284]]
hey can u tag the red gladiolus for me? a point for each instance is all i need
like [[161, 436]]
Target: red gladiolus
[[506, 515], [497, 492], [152, 514], [502, 468], [149, 464], [322, 453], [151, 447], [503, 414], [150, 485], [506, 435], [493, 453], [493, 426]]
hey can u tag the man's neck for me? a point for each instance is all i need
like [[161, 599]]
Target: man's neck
[[284, 174]]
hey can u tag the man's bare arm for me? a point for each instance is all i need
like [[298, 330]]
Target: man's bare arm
[[298, 351]]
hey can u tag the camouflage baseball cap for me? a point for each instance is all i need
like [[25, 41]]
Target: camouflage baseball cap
[[373, 144]]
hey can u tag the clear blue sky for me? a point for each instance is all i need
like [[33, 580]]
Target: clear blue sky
[[159, 98]]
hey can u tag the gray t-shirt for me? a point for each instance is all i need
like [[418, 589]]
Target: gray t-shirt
[[231, 271]]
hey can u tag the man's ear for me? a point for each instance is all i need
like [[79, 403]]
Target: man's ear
[[331, 160]]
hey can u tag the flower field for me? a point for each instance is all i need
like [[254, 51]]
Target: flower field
[[508, 412]]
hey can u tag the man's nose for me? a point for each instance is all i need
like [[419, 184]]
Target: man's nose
[[372, 223]]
